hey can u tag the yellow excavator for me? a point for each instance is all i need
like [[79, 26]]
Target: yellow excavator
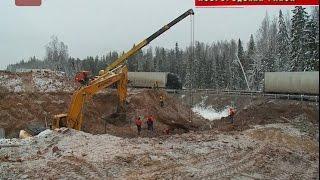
[[115, 73]]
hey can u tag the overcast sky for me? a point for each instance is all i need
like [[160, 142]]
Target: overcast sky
[[94, 27]]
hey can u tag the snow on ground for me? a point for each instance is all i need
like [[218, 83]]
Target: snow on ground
[[14, 84], [193, 155], [208, 112], [50, 82], [42, 81]]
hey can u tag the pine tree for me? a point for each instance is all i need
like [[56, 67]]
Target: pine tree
[[311, 46], [250, 52], [263, 44], [272, 41], [255, 70], [283, 45], [299, 19], [178, 65], [148, 66], [287, 19], [240, 52]]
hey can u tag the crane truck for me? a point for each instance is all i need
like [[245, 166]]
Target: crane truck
[[115, 73]]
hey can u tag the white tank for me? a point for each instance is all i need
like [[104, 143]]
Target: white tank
[[147, 79], [292, 82]]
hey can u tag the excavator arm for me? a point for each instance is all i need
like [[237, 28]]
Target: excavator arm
[[116, 72], [73, 119]]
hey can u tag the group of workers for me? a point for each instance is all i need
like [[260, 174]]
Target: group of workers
[[149, 121]]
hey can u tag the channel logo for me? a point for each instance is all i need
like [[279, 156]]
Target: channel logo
[[28, 2]]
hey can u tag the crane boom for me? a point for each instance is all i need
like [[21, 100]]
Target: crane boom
[[145, 42]]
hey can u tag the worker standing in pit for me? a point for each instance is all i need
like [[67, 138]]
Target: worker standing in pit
[[138, 122], [150, 121], [161, 101], [232, 112], [155, 85]]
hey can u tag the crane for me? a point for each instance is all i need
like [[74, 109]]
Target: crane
[[116, 72]]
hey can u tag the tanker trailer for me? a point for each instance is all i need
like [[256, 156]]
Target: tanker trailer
[[292, 82], [150, 79]]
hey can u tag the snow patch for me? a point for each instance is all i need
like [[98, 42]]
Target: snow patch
[[51, 82], [210, 113], [45, 133], [12, 84]]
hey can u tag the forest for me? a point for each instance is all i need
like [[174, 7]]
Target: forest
[[286, 42]]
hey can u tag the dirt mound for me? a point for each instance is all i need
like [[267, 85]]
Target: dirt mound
[[267, 111], [33, 111], [37, 81], [273, 111]]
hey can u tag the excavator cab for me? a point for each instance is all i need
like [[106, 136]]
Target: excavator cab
[[82, 77]]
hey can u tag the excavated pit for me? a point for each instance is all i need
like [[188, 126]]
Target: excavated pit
[[29, 101], [34, 111]]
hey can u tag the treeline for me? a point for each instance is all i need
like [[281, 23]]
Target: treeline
[[282, 43]]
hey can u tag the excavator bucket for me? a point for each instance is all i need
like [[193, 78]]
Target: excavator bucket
[[59, 120]]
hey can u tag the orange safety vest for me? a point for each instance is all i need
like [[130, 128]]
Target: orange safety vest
[[232, 112], [138, 122]]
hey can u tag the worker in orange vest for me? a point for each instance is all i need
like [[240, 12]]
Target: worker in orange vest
[[150, 121], [161, 101], [138, 122], [232, 112]]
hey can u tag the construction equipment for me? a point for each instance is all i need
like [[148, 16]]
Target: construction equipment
[[116, 72], [82, 77]]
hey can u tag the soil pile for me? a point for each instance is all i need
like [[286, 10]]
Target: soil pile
[[37, 81], [267, 111]]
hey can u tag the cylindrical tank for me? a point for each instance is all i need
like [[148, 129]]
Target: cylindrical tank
[[292, 82], [147, 79]]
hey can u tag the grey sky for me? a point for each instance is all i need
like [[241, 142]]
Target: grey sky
[[94, 27]]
